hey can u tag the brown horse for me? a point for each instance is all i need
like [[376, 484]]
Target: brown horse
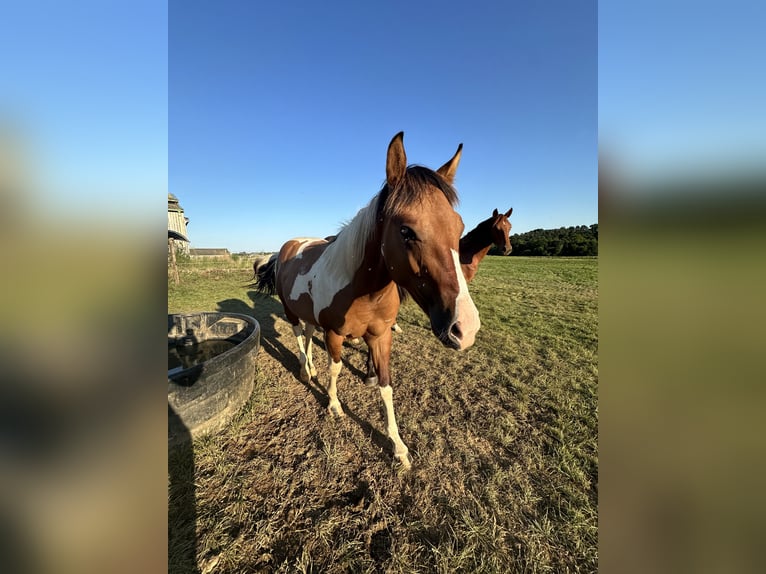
[[408, 236], [475, 244]]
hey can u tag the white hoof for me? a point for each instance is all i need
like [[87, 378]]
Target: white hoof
[[335, 410], [404, 459]]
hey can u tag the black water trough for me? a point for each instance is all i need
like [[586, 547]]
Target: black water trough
[[211, 370]]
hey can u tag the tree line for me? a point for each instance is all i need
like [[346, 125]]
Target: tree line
[[564, 241]]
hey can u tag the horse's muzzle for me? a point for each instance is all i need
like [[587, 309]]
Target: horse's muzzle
[[445, 339], [447, 331], [456, 335]]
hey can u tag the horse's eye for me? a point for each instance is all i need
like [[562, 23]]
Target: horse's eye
[[407, 233]]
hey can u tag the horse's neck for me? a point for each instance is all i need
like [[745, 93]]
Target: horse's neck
[[475, 244], [474, 247], [373, 275], [346, 253], [364, 271]]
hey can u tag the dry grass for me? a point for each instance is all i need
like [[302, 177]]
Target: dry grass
[[503, 436]]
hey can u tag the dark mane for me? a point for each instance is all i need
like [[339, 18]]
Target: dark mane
[[417, 179]]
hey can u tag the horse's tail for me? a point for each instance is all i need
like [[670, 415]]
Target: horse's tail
[[265, 276], [257, 262]]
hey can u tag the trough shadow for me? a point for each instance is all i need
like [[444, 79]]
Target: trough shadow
[[182, 509]]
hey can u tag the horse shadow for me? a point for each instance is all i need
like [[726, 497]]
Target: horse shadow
[[267, 311]]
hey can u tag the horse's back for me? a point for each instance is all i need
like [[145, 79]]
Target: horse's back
[[301, 252], [296, 258]]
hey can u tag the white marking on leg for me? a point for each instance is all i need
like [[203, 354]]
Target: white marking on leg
[[304, 372], [401, 452], [465, 309], [309, 334], [334, 407]]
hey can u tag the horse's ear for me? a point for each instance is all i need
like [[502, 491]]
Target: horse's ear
[[509, 212], [447, 171], [396, 161], [494, 213]]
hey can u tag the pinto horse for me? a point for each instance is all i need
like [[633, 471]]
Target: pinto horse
[[475, 244], [407, 236]]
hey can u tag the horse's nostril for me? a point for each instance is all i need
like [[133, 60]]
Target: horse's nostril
[[455, 330]]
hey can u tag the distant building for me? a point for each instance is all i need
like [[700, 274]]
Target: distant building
[[222, 253], [177, 223]]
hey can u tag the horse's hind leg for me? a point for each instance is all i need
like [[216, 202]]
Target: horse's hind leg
[[309, 334], [305, 370], [334, 344]]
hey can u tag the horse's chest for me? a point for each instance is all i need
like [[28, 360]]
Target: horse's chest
[[369, 314]]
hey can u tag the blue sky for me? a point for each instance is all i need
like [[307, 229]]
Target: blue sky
[[280, 113], [272, 119], [84, 88], [682, 86]]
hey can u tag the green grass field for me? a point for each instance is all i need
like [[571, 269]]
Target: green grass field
[[503, 437]]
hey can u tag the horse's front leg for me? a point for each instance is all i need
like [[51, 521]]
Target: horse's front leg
[[371, 380], [334, 344], [380, 355]]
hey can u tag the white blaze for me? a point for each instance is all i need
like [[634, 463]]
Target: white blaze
[[465, 310]]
